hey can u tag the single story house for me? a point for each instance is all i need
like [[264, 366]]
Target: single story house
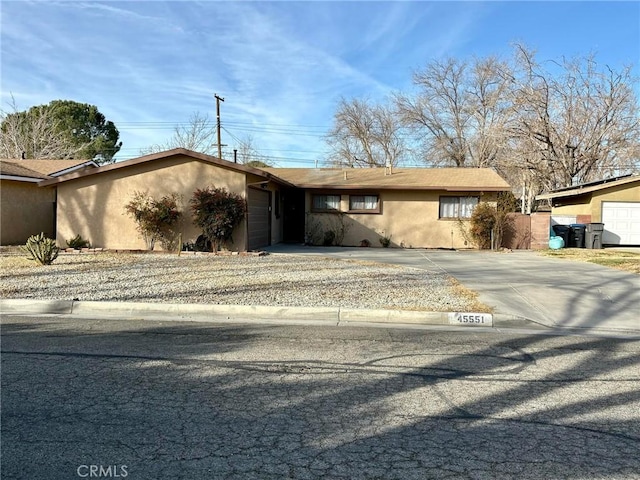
[[27, 209], [414, 207], [615, 202]]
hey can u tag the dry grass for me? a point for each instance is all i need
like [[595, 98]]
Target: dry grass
[[620, 260], [471, 296]]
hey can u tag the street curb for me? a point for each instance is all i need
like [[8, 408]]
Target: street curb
[[204, 312], [327, 316], [208, 312], [36, 306]]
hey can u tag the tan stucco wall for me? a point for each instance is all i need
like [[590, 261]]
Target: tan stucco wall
[[26, 210], [93, 206], [591, 204], [277, 227], [409, 217]]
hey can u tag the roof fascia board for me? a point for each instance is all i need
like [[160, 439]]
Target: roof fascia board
[[74, 168], [580, 191], [403, 187], [156, 156], [19, 178]]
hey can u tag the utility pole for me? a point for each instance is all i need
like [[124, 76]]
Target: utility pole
[[218, 100]]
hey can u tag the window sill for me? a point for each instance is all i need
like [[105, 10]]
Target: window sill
[[366, 212]]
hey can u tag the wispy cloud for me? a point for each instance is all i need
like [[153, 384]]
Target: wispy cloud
[[288, 63]]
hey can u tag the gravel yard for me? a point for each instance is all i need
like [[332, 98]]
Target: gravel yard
[[277, 280]]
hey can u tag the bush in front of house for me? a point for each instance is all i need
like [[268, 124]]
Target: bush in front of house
[[329, 238], [156, 219], [483, 219], [41, 249], [78, 242], [487, 219], [217, 212], [385, 240]]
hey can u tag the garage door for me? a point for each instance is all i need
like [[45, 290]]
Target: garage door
[[621, 223], [259, 206]]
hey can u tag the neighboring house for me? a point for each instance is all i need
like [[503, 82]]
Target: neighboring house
[[27, 209], [414, 207], [615, 202]]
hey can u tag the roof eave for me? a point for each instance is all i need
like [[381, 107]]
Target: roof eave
[[65, 171], [404, 187], [20, 178], [156, 156], [589, 189]]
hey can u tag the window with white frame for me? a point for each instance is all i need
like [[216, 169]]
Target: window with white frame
[[364, 203], [457, 207], [325, 202]]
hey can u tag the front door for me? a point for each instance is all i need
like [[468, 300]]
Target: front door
[[293, 216]]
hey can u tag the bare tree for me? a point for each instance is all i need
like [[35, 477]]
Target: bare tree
[[365, 135], [541, 128], [36, 133], [576, 122], [459, 112], [248, 154], [198, 135]]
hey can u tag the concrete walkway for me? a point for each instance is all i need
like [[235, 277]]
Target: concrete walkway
[[549, 291]]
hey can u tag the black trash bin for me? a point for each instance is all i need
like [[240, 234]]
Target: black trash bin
[[578, 234], [563, 231], [593, 237]]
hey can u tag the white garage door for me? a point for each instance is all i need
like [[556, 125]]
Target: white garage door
[[621, 223]]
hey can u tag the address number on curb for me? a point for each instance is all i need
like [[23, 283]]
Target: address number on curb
[[471, 319]]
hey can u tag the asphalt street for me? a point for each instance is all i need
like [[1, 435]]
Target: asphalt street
[[170, 400]]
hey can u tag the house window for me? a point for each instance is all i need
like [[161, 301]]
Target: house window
[[457, 207], [325, 202], [364, 203]]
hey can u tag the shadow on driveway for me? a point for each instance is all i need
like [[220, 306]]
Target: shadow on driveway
[[550, 291]]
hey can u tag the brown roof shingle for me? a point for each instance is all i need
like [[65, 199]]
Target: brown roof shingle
[[454, 179], [15, 169], [44, 168]]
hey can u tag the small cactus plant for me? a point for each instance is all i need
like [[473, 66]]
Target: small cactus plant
[[41, 249]]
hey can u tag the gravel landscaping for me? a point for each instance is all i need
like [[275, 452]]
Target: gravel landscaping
[[272, 280]]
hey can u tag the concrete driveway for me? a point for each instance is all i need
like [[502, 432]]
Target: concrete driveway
[[549, 291]]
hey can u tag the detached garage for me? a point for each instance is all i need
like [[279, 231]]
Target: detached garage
[[614, 202]]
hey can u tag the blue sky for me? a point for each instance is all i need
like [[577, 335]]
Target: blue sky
[[281, 66]]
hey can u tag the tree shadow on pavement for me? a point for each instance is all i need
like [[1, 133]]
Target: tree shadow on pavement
[[187, 401]]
